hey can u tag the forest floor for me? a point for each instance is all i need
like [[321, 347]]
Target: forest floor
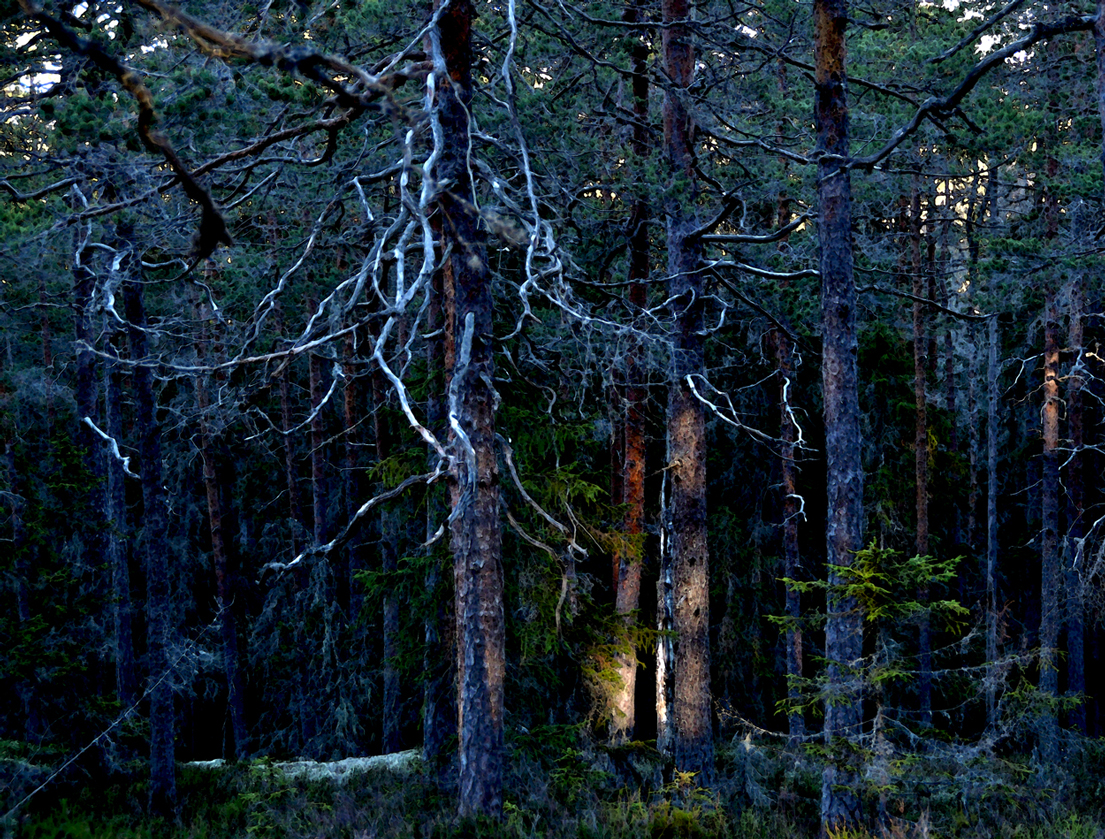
[[560, 785]]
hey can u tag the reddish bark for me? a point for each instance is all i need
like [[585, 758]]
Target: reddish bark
[[1050, 607], [840, 807], [1076, 501], [630, 470]]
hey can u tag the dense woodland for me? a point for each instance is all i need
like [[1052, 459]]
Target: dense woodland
[[498, 378]]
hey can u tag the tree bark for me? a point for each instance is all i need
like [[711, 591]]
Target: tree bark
[[1076, 504], [792, 560], [389, 564], [840, 806], [692, 726], [439, 709], [319, 484], [295, 508], [1099, 44], [228, 630], [118, 537], [921, 452], [629, 560], [474, 472], [992, 524], [158, 561], [87, 395], [1050, 607], [23, 553]]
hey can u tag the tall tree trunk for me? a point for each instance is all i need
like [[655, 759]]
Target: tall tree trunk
[[389, 564], [126, 680], [349, 562], [1076, 503], [1099, 43], [973, 443], [46, 338], [439, 709], [921, 450], [319, 484], [474, 476], [629, 560], [1050, 607], [303, 711], [992, 523], [24, 569], [159, 607], [693, 745], [840, 807], [87, 395], [792, 560], [228, 630], [295, 508]]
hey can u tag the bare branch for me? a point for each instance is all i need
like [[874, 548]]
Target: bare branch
[[946, 105], [1007, 10]]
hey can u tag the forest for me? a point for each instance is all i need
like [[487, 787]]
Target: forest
[[667, 418]]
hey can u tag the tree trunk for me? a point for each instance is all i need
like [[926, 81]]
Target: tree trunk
[[629, 560], [1050, 607], [126, 680], [1076, 502], [692, 726], [159, 607], [474, 474], [389, 564], [792, 560], [840, 806], [992, 524], [87, 395], [319, 485], [295, 508], [22, 551], [228, 630], [439, 709], [1099, 43], [921, 451]]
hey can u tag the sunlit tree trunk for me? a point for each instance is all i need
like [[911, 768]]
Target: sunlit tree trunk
[[1076, 502], [693, 745], [1051, 609], [630, 558], [840, 807], [1052, 606]]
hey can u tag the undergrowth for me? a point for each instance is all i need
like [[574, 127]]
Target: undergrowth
[[562, 785]]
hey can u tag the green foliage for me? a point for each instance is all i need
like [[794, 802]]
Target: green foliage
[[884, 585]]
